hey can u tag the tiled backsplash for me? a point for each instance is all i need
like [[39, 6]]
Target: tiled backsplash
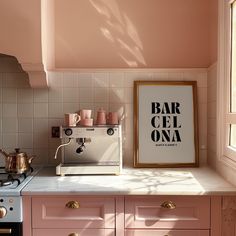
[[27, 114]]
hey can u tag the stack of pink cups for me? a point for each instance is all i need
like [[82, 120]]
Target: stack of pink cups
[[85, 117]]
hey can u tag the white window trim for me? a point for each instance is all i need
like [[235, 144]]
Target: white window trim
[[225, 153]]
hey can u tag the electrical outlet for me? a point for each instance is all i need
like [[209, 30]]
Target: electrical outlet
[[55, 132]]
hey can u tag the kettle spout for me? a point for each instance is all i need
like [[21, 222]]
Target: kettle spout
[[30, 159], [3, 153]]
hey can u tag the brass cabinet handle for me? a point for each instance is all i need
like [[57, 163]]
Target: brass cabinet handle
[[73, 234], [168, 205], [5, 231], [73, 205]]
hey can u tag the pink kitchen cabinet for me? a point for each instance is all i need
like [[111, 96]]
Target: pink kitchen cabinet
[[73, 212], [122, 215], [74, 232], [167, 233], [162, 212]]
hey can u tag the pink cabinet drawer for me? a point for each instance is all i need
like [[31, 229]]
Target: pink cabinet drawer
[[77, 232], [167, 233], [90, 212], [189, 212]]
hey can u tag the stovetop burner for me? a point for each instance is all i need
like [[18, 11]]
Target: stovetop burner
[[12, 180]]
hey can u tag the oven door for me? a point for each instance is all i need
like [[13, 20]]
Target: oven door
[[11, 229]]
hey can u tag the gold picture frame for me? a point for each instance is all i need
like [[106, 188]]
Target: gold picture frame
[[165, 124]]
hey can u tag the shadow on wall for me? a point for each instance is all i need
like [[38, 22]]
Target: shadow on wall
[[117, 23]]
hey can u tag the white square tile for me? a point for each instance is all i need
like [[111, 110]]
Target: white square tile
[[25, 140], [25, 125], [202, 95], [85, 80], [128, 96], [86, 95], [202, 79], [101, 95], [9, 95], [55, 79], [54, 143], [40, 110], [175, 76], [70, 108], [41, 156], [40, 125], [9, 110], [190, 76], [129, 79], [24, 95], [160, 76], [40, 140], [23, 81], [55, 110], [87, 105], [55, 122], [40, 95], [70, 94], [9, 141], [11, 80], [55, 94], [0, 110], [116, 95], [116, 80], [70, 80], [25, 110], [1, 94], [9, 125], [101, 80]]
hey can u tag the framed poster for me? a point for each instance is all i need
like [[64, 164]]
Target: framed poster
[[165, 124]]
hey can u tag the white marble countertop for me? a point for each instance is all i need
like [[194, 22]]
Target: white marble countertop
[[132, 181]]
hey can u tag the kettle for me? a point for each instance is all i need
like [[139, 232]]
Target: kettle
[[17, 162]]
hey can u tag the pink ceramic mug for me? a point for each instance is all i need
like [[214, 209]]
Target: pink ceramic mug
[[101, 117], [71, 119], [85, 114], [112, 118]]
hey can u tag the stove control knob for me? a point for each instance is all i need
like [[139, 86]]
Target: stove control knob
[[3, 212], [68, 132], [110, 131]]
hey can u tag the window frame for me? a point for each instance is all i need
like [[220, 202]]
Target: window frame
[[225, 152]]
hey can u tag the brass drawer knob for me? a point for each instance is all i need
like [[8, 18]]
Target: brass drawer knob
[[73, 234], [72, 205], [168, 205]]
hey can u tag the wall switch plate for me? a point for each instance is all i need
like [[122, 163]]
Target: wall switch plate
[[55, 132]]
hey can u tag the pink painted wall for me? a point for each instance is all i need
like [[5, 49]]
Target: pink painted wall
[[20, 24], [134, 33]]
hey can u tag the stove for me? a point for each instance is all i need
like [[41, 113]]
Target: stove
[[11, 213]]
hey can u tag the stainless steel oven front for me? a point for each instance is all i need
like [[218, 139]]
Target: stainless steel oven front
[[11, 228]]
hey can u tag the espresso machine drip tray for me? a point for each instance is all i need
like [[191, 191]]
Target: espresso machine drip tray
[[90, 150]]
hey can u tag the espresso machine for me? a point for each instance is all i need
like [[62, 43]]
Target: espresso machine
[[90, 150]]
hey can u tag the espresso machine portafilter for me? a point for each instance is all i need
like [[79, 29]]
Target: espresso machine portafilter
[[90, 150]]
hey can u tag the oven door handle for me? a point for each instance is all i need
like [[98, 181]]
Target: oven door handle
[[5, 231]]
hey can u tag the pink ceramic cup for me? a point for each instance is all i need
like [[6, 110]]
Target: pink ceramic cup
[[101, 117], [86, 122], [112, 118], [71, 119], [85, 114]]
